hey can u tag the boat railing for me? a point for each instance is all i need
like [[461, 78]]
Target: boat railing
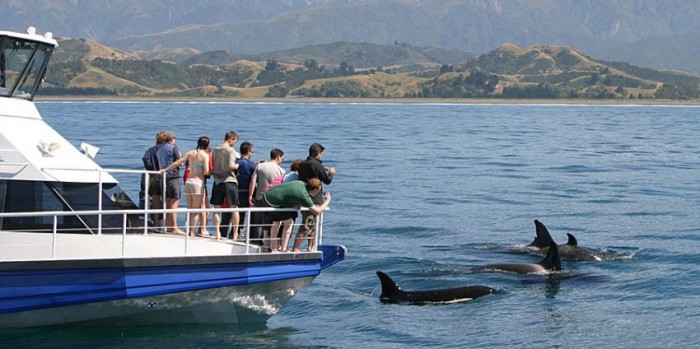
[[146, 214], [100, 185], [125, 229]]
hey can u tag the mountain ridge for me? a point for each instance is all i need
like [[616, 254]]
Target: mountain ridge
[[622, 30]]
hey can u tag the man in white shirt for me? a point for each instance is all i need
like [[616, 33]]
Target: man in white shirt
[[264, 173]]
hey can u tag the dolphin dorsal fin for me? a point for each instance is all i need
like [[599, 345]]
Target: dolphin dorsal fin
[[552, 261], [389, 287], [543, 239], [572, 240]]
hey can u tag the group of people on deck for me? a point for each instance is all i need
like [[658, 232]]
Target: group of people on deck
[[239, 182]]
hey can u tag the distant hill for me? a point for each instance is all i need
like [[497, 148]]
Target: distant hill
[[86, 50], [659, 34], [558, 71], [551, 63], [360, 55], [85, 67], [674, 50]]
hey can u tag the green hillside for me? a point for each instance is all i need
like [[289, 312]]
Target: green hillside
[[362, 70], [359, 55]]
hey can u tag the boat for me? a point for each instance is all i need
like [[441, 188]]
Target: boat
[[76, 250]]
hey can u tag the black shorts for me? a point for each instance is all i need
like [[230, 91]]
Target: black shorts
[[282, 216], [154, 186], [228, 190], [172, 189], [278, 216]]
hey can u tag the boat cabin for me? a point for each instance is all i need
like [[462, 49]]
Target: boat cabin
[[39, 169]]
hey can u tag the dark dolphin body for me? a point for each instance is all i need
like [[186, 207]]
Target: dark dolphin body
[[570, 251], [551, 262], [392, 293]]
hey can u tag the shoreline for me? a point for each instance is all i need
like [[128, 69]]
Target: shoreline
[[640, 102]]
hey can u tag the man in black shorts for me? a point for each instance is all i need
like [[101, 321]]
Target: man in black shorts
[[225, 181]]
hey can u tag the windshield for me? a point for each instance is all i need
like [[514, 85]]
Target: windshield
[[22, 66]]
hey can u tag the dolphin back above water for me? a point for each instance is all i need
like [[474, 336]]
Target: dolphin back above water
[[551, 262], [570, 251], [392, 293]]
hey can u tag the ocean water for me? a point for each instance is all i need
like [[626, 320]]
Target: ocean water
[[424, 192]]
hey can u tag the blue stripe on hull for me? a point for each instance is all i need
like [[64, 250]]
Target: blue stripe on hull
[[37, 289]]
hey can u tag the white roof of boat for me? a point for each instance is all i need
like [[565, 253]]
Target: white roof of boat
[[33, 36]]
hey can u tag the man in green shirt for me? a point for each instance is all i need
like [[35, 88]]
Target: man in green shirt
[[292, 194]]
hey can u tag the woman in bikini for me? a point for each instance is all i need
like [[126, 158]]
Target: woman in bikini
[[194, 185]]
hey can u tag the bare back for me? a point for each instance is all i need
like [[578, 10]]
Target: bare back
[[199, 163]]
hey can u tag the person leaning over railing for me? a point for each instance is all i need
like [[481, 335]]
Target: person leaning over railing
[[289, 195]]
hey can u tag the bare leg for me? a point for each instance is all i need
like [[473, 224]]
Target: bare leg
[[286, 233], [235, 222], [188, 204], [171, 218], [274, 238], [307, 225], [312, 239], [301, 234], [217, 222], [194, 201], [203, 217]]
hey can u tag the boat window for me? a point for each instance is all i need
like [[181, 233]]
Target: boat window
[[15, 56], [33, 74], [22, 66], [30, 196]]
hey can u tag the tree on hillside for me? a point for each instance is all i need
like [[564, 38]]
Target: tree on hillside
[[271, 65], [345, 67], [446, 68], [486, 82], [593, 79], [311, 64]]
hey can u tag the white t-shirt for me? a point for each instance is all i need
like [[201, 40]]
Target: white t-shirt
[[266, 173]]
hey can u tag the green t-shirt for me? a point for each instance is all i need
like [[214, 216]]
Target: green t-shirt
[[289, 194]]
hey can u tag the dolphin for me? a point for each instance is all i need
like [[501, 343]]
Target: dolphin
[[551, 262], [542, 237], [392, 293], [569, 251]]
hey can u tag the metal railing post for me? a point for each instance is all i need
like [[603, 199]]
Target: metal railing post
[[247, 227], [99, 202], [146, 201], [316, 232], [124, 235], [163, 202], [55, 237], [319, 230], [187, 233]]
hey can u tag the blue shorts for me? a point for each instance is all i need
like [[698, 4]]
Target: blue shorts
[[228, 190]]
